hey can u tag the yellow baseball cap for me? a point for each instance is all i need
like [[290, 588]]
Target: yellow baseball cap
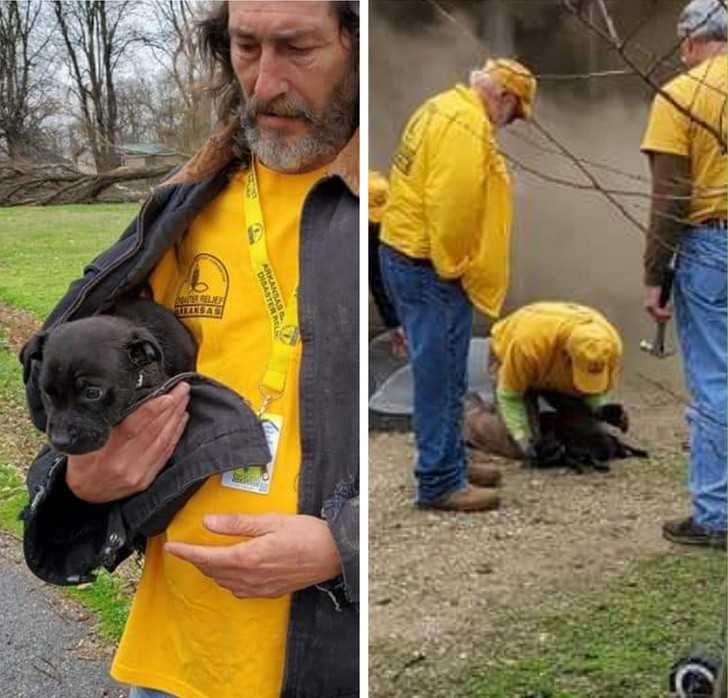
[[378, 193], [591, 351], [515, 78]]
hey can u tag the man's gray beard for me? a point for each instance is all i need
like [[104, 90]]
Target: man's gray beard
[[330, 133]]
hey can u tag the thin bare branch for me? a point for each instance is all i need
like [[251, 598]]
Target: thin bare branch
[[720, 137]]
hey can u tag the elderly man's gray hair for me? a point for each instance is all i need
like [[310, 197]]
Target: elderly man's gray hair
[[704, 20]]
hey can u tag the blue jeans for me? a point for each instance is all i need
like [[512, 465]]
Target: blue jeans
[[137, 692], [700, 313], [437, 319]]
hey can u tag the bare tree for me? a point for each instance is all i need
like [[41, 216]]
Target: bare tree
[[25, 91], [175, 49], [96, 36]]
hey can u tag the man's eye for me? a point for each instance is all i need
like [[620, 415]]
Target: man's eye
[[248, 49], [300, 50], [92, 393]]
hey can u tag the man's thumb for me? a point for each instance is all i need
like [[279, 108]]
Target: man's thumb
[[240, 524]]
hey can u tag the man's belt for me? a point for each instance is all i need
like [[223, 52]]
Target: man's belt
[[415, 261]]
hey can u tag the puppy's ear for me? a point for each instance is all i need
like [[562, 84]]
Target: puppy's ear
[[32, 351], [143, 348]]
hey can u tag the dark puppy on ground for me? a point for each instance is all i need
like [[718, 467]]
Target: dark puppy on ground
[[94, 369]]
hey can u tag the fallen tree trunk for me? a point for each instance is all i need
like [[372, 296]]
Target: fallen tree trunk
[[60, 183]]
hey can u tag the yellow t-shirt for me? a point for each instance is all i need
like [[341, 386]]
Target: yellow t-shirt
[[703, 92], [186, 635], [450, 197], [531, 347]]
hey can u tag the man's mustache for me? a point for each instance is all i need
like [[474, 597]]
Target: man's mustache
[[281, 106]]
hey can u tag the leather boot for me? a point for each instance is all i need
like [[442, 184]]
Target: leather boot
[[470, 498], [483, 476]]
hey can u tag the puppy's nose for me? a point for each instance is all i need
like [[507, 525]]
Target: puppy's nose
[[62, 439], [62, 444]]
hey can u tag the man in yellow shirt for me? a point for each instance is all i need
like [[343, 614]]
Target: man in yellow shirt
[[445, 245], [564, 352], [252, 589], [685, 141]]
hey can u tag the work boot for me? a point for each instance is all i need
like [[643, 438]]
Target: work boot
[[483, 476], [687, 532], [469, 498]]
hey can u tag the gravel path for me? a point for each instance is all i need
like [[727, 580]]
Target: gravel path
[[47, 644], [444, 585]]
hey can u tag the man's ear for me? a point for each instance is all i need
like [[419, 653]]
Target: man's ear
[[32, 351], [143, 348]]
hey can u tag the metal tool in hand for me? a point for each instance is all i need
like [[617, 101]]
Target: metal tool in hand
[[657, 348]]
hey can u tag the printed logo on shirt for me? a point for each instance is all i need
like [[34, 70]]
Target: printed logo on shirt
[[404, 156], [204, 290]]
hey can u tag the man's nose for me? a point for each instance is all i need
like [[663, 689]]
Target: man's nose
[[270, 81]]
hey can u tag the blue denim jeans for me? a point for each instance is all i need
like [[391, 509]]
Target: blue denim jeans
[[138, 692], [699, 296], [437, 319]]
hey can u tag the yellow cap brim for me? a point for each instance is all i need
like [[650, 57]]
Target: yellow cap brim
[[591, 383]]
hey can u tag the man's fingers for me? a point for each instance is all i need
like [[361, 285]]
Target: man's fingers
[[205, 557], [242, 524], [166, 440], [152, 413]]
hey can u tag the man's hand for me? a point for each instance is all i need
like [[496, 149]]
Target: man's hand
[[652, 304], [398, 343], [530, 457], [284, 553], [136, 451], [543, 453]]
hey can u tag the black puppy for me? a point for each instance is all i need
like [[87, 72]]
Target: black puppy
[[577, 440], [94, 369]]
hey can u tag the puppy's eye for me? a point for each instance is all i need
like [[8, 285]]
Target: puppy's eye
[[92, 393]]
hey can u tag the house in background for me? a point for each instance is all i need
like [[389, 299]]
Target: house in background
[[137, 156]]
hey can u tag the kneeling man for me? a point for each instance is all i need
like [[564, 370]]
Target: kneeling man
[[565, 353]]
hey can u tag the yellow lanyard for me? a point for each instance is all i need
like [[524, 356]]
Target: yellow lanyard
[[283, 317]]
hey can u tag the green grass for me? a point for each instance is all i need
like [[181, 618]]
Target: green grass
[[107, 599], [13, 498], [45, 248], [618, 644], [11, 382]]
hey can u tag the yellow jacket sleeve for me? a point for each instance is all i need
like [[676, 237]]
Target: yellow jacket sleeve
[[668, 128], [454, 191]]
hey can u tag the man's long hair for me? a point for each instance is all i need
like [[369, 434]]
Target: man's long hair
[[213, 41]]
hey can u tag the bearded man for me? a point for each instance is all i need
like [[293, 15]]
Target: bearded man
[[252, 589]]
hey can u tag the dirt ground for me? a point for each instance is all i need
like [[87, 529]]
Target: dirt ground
[[18, 440], [443, 586]]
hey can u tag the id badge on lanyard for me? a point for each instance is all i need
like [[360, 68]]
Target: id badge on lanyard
[[285, 333], [258, 478]]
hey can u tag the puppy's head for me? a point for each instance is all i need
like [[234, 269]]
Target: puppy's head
[[89, 378]]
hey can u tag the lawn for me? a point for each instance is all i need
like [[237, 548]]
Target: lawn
[[620, 643], [44, 249]]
